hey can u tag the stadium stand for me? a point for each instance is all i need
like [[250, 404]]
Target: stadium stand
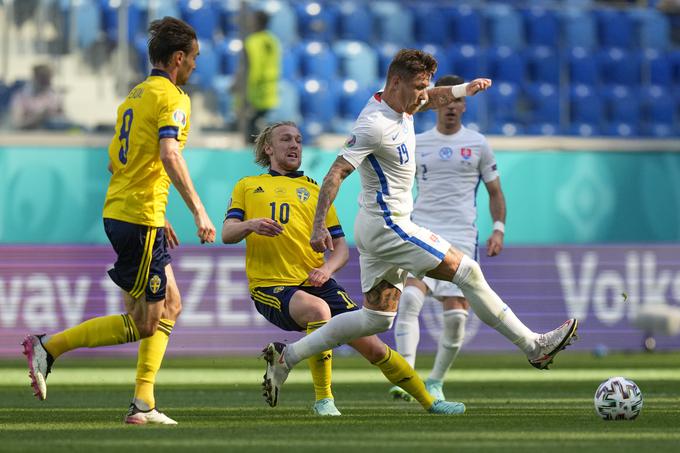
[[571, 47]]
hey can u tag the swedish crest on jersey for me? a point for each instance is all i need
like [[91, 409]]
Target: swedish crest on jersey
[[302, 194], [154, 283]]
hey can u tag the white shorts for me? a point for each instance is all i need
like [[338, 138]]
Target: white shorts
[[389, 250], [441, 288]]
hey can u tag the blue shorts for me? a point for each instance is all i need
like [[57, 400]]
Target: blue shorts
[[142, 256], [273, 302]]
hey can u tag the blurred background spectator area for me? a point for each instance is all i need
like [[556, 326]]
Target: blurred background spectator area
[[579, 67]]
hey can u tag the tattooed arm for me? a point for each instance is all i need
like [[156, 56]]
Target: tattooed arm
[[443, 95], [321, 238]]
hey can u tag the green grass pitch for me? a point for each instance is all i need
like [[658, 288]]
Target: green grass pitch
[[217, 402]]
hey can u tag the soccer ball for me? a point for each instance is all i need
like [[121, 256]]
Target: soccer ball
[[618, 398]]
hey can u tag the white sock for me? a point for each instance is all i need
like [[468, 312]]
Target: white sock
[[339, 330], [407, 328], [490, 308], [450, 342]]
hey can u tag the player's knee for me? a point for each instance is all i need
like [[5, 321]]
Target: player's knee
[[147, 329], [411, 301], [468, 274], [454, 328], [377, 321]]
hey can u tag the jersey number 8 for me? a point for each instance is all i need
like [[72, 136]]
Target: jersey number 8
[[124, 136]]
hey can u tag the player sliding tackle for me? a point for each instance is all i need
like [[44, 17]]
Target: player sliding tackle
[[390, 245]]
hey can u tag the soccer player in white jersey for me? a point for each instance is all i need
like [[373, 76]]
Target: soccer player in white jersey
[[451, 161], [390, 244]]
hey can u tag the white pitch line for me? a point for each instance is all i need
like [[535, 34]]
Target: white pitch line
[[211, 376]]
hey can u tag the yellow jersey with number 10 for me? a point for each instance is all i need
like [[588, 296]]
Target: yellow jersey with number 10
[[290, 200], [138, 190]]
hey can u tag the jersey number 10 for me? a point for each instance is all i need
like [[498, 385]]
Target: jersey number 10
[[284, 212]]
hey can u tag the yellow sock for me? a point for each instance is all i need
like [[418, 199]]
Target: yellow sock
[[397, 370], [149, 358], [321, 367], [95, 332]]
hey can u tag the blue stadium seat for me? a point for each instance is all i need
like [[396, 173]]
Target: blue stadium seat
[[282, 21], [319, 101], [505, 26], [614, 27], [353, 99], [203, 15], [543, 65], [506, 65], [468, 61], [657, 67], [355, 22], [544, 101], [317, 21], [289, 103], [466, 25], [108, 16], [618, 129], [543, 129], [620, 66], [585, 105], [622, 104], [221, 90], [474, 107], [229, 52], [508, 129], [584, 129], [357, 61], [161, 8], [290, 63], [88, 23], [424, 121], [652, 28], [659, 106], [674, 57], [318, 60], [542, 27], [228, 17], [578, 28], [386, 51], [393, 22], [503, 103], [444, 63], [142, 53], [209, 65], [583, 67], [432, 23]]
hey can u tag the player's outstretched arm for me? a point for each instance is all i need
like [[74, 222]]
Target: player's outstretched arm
[[177, 170], [321, 238], [235, 230], [444, 95]]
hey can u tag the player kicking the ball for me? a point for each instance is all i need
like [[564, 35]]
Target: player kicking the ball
[[390, 244]]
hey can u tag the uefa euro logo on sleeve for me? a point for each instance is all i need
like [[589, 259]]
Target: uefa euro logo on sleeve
[[351, 141], [179, 117]]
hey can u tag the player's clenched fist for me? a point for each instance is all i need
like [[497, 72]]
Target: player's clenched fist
[[321, 240], [476, 86]]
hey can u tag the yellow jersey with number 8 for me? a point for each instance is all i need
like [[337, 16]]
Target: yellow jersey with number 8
[[138, 190]]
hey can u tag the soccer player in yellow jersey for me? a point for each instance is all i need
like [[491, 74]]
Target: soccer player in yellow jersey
[[145, 157], [290, 283]]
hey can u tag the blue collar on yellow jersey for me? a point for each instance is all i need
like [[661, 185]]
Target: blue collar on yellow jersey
[[161, 73], [292, 174]]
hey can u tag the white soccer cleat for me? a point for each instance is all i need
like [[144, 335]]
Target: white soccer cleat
[[39, 364], [326, 407], [435, 388], [441, 407], [276, 373], [552, 342], [136, 416]]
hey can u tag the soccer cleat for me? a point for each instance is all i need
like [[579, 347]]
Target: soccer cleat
[[325, 407], [441, 407], [276, 373], [39, 364], [400, 394], [552, 342], [136, 416], [434, 387]]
